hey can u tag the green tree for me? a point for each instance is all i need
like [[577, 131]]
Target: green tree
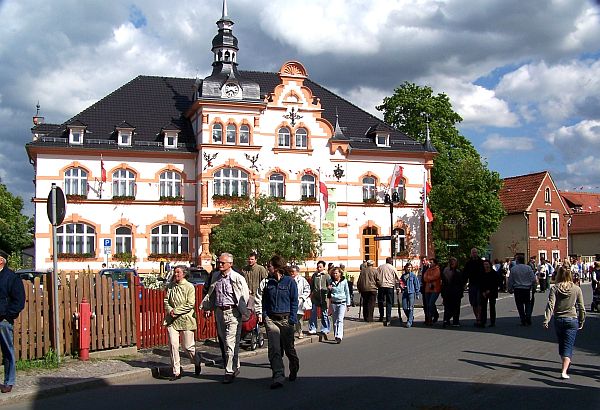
[[464, 194], [15, 228], [262, 225]]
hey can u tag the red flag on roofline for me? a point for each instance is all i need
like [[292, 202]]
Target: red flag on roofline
[[396, 176], [426, 211], [102, 170], [323, 190]]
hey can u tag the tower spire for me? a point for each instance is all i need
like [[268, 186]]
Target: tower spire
[[224, 15]]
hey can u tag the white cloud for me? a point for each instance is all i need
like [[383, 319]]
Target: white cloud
[[497, 142]]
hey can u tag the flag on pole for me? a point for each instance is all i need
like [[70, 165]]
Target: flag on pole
[[323, 190], [102, 170], [396, 176], [426, 210]]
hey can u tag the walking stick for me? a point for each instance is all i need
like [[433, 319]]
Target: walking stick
[[360, 306]]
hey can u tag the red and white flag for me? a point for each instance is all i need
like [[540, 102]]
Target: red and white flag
[[323, 190], [397, 176], [102, 170], [426, 211]]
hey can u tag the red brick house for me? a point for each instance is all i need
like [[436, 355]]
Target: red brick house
[[537, 219], [584, 231]]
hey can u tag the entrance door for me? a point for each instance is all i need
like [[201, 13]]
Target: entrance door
[[370, 250]]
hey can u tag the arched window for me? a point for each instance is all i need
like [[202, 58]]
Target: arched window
[[170, 184], [547, 197], [230, 182], [123, 183], [217, 133], [230, 134], [169, 239], [308, 186], [76, 239], [399, 241], [283, 139], [277, 186], [369, 188], [244, 134], [75, 182], [123, 240], [301, 138]]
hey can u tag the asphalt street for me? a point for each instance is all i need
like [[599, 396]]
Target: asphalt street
[[504, 367]]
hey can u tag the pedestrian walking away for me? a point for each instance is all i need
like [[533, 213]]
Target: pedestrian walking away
[[432, 280], [473, 272], [453, 285], [410, 290], [12, 297], [521, 281], [489, 293], [319, 288], [279, 308], [340, 302], [367, 286], [228, 297], [565, 302], [180, 320], [386, 279], [304, 302]]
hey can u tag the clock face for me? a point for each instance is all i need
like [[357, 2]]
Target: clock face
[[231, 90]]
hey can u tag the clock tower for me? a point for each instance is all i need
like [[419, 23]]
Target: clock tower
[[225, 82]]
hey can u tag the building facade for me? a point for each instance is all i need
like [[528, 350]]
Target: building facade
[[537, 219], [584, 231], [153, 167]]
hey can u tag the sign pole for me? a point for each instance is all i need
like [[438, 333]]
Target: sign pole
[[55, 275]]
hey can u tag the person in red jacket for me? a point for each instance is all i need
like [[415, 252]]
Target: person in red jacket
[[432, 286]]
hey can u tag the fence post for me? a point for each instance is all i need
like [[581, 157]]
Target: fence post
[[136, 289]]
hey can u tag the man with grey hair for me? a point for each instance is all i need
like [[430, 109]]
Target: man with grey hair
[[228, 296], [12, 298], [367, 287]]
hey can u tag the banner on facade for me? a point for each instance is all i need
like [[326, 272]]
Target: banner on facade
[[329, 224]]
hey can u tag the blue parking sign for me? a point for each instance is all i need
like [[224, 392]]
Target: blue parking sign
[[107, 242]]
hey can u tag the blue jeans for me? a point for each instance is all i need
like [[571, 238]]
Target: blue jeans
[[566, 331], [312, 322], [8, 352], [430, 308], [339, 311], [408, 305]]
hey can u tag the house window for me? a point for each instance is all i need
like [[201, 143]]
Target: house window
[[399, 241], [76, 239], [382, 140], [542, 255], [308, 186], [283, 139], [555, 226], [169, 239], [76, 136], [368, 188], [76, 182], [123, 183], [301, 138], [125, 138], [170, 184], [230, 182], [542, 225], [547, 197], [123, 240], [230, 134], [244, 134], [170, 140], [217, 133], [555, 256], [276, 186]]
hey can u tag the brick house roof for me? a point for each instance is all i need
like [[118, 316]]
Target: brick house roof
[[518, 192], [585, 222], [582, 201]]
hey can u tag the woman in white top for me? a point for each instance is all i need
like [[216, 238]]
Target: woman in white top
[[304, 302]]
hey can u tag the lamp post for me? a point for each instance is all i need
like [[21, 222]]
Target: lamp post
[[391, 200]]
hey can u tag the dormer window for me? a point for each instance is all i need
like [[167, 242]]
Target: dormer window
[[547, 197], [125, 137], [76, 136], [170, 140], [382, 139]]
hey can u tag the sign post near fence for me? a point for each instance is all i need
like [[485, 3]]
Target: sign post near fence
[[56, 208]]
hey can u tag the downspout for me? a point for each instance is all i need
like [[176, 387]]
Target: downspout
[[569, 251], [528, 255]]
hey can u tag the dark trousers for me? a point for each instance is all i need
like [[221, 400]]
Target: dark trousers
[[452, 309], [543, 284], [368, 304], [280, 333], [523, 300], [385, 296], [484, 308]]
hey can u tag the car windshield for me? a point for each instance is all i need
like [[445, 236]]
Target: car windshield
[[119, 275]]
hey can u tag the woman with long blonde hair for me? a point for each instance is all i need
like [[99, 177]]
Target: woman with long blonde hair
[[565, 302]]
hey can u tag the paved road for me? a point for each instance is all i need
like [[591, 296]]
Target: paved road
[[508, 366]]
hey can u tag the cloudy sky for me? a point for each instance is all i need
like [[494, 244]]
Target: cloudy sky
[[524, 75]]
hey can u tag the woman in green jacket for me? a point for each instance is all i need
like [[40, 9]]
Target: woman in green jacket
[[180, 320]]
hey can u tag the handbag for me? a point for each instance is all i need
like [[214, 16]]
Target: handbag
[[306, 304]]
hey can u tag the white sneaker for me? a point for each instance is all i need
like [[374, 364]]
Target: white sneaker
[[564, 376]]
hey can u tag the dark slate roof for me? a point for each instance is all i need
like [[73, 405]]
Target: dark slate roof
[[150, 103], [44, 128]]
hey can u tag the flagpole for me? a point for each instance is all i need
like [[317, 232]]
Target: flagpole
[[425, 209], [320, 211]]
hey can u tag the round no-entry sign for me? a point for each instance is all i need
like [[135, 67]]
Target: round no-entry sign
[[61, 206]]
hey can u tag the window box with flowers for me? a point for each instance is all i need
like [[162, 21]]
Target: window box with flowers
[[76, 256], [169, 256], [229, 199], [123, 198], [177, 198], [372, 200], [75, 198], [402, 254], [305, 198]]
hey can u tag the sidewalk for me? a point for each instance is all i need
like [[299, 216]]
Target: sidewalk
[[75, 375]]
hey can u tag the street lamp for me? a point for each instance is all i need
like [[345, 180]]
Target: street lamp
[[391, 200]]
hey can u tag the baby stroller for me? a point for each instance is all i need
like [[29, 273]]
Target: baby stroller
[[251, 335]]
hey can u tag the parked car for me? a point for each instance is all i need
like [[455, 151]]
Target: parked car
[[197, 276], [30, 274], [119, 275]]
